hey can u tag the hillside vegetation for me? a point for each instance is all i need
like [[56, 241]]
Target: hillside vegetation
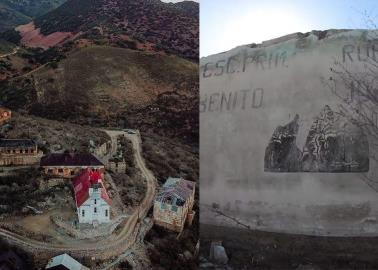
[[16, 12], [112, 86], [159, 26], [53, 135]]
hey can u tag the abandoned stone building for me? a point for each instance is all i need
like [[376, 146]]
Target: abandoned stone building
[[69, 165], [118, 166], [19, 152], [174, 203], [5, 115], [92, 200]]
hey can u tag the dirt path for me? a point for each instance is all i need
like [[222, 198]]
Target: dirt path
[[32, 71], [15, 50], [125, 238]]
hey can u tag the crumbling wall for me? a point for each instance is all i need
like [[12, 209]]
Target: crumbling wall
[[275, 152]]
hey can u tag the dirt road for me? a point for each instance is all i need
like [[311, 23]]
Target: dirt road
[[116, 243], [15, 50]]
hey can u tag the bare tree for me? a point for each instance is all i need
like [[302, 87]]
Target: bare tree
[[356, 85]]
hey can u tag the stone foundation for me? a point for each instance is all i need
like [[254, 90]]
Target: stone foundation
[[118, 167], [20, 159], [172, 227], [67, 172]]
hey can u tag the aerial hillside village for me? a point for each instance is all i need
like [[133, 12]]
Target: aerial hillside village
[[98, 109], [97, 209]]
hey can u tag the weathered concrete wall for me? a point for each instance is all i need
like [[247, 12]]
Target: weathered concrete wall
[[247, 95]]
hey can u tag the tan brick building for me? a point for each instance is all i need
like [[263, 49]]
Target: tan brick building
[[5, 115], [69, 165], [19, 152], [117, 166], [174, 203]]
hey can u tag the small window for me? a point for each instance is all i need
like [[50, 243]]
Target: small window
[[106, 212], [72, 172], [95, 209], [60, 170], [95, 201], [49, 171], [83, 213]]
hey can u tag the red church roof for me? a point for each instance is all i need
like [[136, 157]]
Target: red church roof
[[83, 182]]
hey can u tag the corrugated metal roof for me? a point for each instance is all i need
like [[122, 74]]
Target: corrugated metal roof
[[175, 191]]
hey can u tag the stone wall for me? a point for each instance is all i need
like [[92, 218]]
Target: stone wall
[[102, 150], [101, 252], [20, 159], [118, 167], [85, 232], [68, 172], [276, 154]]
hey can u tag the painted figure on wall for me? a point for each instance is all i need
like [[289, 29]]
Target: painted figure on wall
[[333, 144]]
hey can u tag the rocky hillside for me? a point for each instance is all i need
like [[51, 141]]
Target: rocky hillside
[[52, 135], [102, 85], [149, 25], [16, 12]]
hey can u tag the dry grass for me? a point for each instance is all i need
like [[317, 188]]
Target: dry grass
[[53, 135], [168, 157]]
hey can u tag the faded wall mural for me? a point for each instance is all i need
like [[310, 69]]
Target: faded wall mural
[[333, 144], [276, 153]]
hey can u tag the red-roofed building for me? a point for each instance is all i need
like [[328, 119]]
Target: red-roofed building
[[92, 200]]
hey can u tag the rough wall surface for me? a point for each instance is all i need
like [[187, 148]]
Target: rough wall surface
[[275, 154]]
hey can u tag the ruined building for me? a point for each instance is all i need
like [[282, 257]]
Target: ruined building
[[92, 200], [118, 166], [19, 152], [5, 115], [173, 205], [70, 164]]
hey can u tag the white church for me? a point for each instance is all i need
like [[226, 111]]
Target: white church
[[92, 200]]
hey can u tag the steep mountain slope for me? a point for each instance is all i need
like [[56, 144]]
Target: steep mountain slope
[[10, 18], [16, 12], [188, 7], [103, 85], [150, 24]]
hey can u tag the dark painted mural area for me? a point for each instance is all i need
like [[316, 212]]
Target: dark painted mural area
[[333, 144]]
